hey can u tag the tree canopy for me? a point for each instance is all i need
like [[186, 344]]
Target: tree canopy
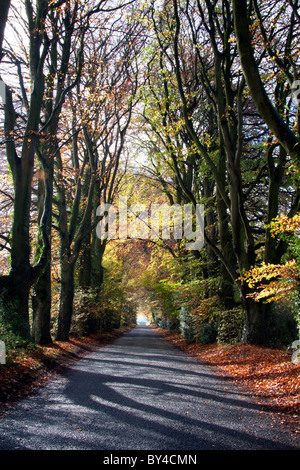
[[171, 104]]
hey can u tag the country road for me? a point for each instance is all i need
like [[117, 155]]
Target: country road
[[140, 393]]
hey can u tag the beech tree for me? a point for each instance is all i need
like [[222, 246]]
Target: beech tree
[[213, 82], [172, 151], [45, 22], [16, 286], [200, 37], [55, 33], [102, 110], [63, 74], [285, 60]]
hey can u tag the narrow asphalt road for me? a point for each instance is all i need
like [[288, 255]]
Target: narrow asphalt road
[[140, 393]]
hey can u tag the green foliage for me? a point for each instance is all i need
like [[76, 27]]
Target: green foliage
[[282, 325], [160, 279], [11, 331], [205, 319], [84, 317], [207, 333], [184, 301], [187, 329], [98, 311], [230, 327]]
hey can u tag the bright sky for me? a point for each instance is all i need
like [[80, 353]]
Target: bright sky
[[142, 319]]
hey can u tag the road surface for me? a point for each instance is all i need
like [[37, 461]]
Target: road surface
[[140, 393]]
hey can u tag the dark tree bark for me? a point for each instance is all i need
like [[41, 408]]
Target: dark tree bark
[[65, 301], [22, 275], [268, 112], [4, 9], [228, 101], [55, 96], [41, 292]]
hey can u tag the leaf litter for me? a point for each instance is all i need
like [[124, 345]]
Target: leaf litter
[[268, 375]]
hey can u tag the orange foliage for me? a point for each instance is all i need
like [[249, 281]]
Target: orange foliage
[[286, 224], [273, 281]]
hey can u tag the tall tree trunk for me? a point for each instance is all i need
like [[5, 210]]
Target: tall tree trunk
[[41, 306], [4, 8], [41, 303], [85, 264], [42, 298], [99, 247], [85, 256], [65, 301], [208, 191], [22, 274], [71, 244], [273, 252], [226, 287], [256, 320]]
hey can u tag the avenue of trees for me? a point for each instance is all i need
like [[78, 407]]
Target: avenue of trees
[[169, 102]]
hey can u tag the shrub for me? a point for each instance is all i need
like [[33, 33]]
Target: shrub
[[230, 328], [10, 322], [186, 325], [205, 317], [104, 309], [282, 327], [84, 316], [207, 334]]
